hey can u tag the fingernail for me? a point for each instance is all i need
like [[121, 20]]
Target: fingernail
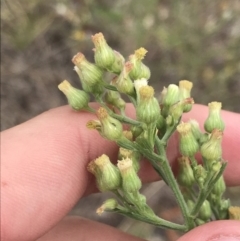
[[225, 238]]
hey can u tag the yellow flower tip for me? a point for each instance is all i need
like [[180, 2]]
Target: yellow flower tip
[[140, 53], [185, 84], [128, 135], [217, 134], [102, 161], [102, 113], [124, 164], [100, 211], [98, 38], [91, 167], [64, 86], [128, 66], [183, 160], [108, 205], [78, 58], [146, 92], [215, 105], [234, 213], [125, 152], [93, 124], [184, 128]]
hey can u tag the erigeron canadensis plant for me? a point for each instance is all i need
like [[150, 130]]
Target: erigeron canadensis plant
[[198, 188]]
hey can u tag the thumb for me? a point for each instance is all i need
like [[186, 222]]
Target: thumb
[[227, 230]]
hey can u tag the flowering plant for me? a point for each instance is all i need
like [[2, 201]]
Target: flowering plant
[[198, 188]]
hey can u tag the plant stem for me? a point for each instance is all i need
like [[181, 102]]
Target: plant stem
[[174, 185], [206, 190], [116, 116], [124, 202], [155, 220], [132, 100], [124, 119]]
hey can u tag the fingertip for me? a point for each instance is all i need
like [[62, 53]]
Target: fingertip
[[215, 231], [76, 228]]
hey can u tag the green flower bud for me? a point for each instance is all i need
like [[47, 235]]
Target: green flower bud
[[147, 109], [190, 204], [139, 70], [172, 95], [90, 74], [176, 110], [108, 205], [205, 211], [204, 138], [107, 175], [185, 87], [130, 180], [219, 187], [77, 99], [123, 82], [138, 84], [103, 54], [188, 143], [185, 176], [224, 207], [200, 175], [211, 149], [161, 122], [118, 64], [114, 98], [196, 129], [111, 128], [136, 131], [169, 120], [234, 213], [133, 155], [214, 120], [214, 166], [200, 221]]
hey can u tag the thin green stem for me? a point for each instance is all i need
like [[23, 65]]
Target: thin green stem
[[204, 193], [174, 185], [168, 133], [124, 119], [90, 109], [124, 202], [121, 118], [152, 219], [132, 100]]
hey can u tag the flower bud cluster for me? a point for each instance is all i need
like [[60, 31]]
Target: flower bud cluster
[[155, 122], [175, 100]]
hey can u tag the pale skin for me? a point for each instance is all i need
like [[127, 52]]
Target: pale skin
[[43, 175]]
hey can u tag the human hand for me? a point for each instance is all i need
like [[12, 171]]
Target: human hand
[[44, 175]]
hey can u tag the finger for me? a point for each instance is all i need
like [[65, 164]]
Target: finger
[[44, 168], [215, 231], [75, 229]]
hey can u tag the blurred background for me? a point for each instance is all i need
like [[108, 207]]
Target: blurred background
[[194, 40]]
